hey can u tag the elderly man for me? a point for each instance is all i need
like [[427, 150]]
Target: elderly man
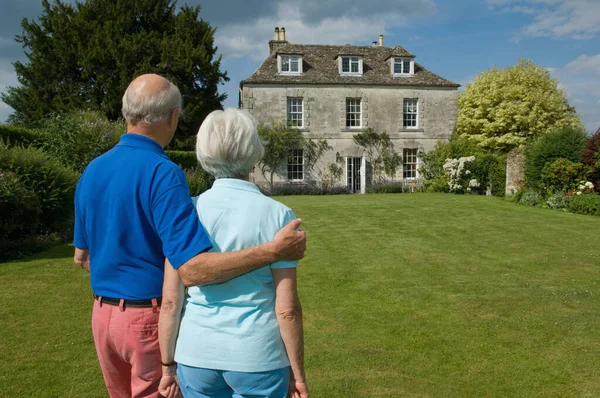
[[132, 210]]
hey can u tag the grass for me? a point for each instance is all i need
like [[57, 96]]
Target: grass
[[418, 295]]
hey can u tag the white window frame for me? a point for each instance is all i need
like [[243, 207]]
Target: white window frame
[[351, 59], [416, 163], [403, 74], [290, 101], [404, 113], [348, 112], [293, 155], [289, 57]]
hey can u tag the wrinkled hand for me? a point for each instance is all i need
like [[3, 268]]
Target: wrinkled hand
[[169, 387], [290, 242], [82, 258], [298, 389]]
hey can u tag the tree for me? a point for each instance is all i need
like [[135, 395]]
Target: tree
[[380, 152], [280, 140], [313, 151], [83, 56], [503, 109]]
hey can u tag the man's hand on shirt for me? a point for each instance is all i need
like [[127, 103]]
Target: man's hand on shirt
[[290, 242], [82, 258]]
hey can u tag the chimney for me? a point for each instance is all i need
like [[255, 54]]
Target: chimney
[[380, 40], [278, 40]]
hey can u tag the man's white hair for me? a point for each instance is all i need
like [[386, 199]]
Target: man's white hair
[[228, 144], [150, 110]]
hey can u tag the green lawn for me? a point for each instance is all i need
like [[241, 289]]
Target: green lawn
[[419, 295]]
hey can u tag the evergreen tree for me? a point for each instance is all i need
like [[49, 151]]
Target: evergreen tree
[[83, 56]]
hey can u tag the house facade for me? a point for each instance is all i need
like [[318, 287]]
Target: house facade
[[334, 92]]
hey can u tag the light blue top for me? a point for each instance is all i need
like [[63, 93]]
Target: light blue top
[[233, 326]]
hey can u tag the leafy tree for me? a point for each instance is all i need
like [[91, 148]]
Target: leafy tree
[[380, 153], [83, 56], [591, 157], [280, 140], [503, 109]]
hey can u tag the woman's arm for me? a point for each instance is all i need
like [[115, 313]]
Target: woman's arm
[[289, 316], [168, 328]]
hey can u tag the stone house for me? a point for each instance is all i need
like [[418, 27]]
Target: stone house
[[336, 91]]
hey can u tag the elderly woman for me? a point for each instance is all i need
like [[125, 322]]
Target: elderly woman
[[238, 338]]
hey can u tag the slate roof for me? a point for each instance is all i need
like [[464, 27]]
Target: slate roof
[[320, 66]]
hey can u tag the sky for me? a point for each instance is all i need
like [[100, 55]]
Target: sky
[[456, 39]]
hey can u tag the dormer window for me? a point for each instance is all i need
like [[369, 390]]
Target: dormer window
[[351, 65], [290, 64], [403, 67]]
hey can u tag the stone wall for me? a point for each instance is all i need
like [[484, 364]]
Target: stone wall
[[324, 115], [515, 171]]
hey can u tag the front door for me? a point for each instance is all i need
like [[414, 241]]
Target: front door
[[353, 175]]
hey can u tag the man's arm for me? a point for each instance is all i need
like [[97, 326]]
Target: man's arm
[[288, 244], [82, 258]]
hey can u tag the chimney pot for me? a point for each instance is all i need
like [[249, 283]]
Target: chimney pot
[[282, 34], [380, 40], [276, 38]]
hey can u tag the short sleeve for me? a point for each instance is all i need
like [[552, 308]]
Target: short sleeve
[[79, 236], [286, 218], [176, 220]]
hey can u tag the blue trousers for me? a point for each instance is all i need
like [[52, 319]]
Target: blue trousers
[[210, 383]]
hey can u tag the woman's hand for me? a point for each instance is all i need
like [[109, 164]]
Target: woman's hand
[[297, 389], [169, 387]]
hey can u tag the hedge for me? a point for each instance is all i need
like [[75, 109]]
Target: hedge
[[185, 159], [18, 136]]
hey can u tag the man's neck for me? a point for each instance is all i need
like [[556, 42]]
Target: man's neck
[[154, 133]]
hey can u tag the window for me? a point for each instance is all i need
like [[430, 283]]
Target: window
[[351, 66], [295, 166], [294, 112], [411, 113], [409, 163], [353, 113], [290, 64], [401, 66]]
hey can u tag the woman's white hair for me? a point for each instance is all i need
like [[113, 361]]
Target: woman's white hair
[[228, 144], [150, 110]]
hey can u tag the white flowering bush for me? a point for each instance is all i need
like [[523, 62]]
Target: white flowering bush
[[459, 172], [585, 187]]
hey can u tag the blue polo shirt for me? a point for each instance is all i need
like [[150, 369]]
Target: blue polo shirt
[[133, 209]]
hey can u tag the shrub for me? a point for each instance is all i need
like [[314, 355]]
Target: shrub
[[584, 204], [386, 188], [563, 175], [432, 169], [558, 201], [53, 183], [490, 172], [76, 138], [198, 180], [17, 136], [591, 157], [19, 208], [302, 189], [185, 159], [566, 143], [531, 197], [461, 177]]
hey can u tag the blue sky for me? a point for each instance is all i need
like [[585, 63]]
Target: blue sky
[[456, 39]]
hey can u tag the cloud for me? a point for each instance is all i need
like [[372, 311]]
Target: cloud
[[315, 22], [574, 19], [580, 79]]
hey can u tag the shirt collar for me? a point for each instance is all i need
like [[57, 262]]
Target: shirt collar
[[139, 141], [234, 183]]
